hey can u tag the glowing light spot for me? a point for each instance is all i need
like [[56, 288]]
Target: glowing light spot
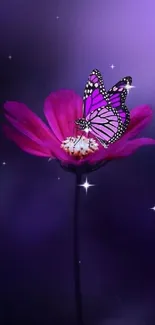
[[86, 185]]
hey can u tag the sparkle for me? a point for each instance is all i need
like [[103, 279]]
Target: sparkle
[[58, 178], [112, 66], [10, 57], [86, 185], [57, 17], [153, 208], [80, 146], [79, 262], [3, 163], [128, 87], [86, 130]]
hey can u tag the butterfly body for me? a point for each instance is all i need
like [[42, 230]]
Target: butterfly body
[[105, 114]]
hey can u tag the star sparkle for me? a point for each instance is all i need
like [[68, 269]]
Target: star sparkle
[[86, 185], [3, 163], [58, 178], [10, 57], [57, 17], [112, 66], [153, 208], [129, 87], [87, 130]]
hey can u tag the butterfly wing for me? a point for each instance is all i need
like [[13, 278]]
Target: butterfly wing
[[106, 112], [95, 95], [117, 95], [105, 125]]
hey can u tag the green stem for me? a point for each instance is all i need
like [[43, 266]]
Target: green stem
[[78, 295]]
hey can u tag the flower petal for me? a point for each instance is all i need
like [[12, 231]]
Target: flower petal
[[30, 129], [131, 146], [26, 143], [140, 116], [28, 123], [38, 149], [98, 155], [61, 109]]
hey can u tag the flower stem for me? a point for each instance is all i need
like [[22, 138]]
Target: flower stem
[[78, 295]]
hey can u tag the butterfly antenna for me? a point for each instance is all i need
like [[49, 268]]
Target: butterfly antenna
[[78, 139], [76, 128]]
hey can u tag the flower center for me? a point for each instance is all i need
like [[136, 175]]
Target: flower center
[[80, 146]]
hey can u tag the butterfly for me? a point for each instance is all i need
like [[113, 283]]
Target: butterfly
[[105, 114]]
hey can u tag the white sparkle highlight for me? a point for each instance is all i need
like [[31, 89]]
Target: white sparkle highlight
[[86, 130], [112, 66], [153, 208], [129, 87], [3, 163], [57, 17], [58, 178], [79, 146], [10, 57], [86, 185]]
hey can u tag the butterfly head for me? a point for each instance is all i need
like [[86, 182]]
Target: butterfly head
[[82, 123]]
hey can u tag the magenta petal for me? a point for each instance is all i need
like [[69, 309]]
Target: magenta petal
[[97, 156], [22, 128], [131, 146], [28, 123], [25, 143], [140, 117], [61, 109], [28, 145]]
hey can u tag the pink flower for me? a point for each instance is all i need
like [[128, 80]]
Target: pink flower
[[58, 140]]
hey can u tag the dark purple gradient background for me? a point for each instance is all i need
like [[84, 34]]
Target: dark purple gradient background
[[117, 227]]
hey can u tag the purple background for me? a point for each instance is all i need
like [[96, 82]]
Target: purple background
[[117, 227]]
